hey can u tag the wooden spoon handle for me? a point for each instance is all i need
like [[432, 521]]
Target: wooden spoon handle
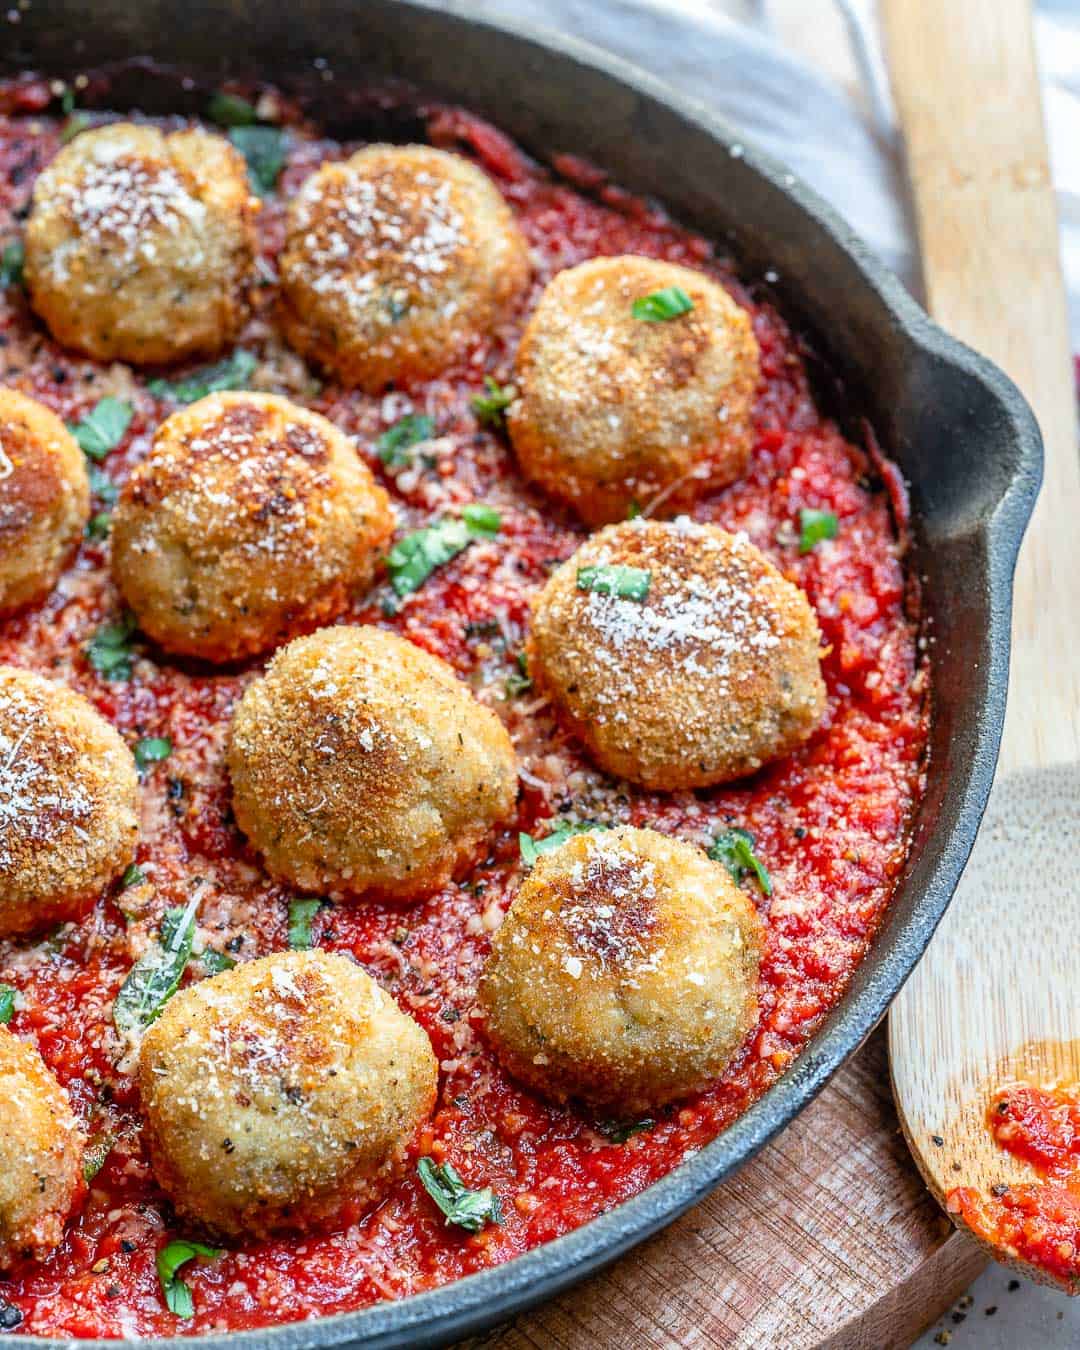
[[966, 87]]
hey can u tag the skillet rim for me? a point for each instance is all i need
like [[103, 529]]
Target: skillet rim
[[476, 1302]]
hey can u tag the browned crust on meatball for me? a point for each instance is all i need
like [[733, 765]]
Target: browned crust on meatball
[[361, 765], [613, 411], [140, 246], [251, 521], [283, 1096], [395, 261], [624, 973], [41, 1149], [68, 803], [44, 499], [715, 673]]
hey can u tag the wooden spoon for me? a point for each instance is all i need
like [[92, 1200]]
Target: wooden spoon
[[997, 995]]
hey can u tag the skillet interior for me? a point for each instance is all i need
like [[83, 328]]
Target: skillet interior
[[962, 435]]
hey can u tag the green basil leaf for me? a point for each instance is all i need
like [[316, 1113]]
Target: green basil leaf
[[407, 431], [626, 583], [96, 1153], [170, 1258], [301, 916], [215, 962], [814, 526], [519, 681], [264, 150], [413, 559], [134, 876], [471, 1210], [98, 526], [11, 264], [481, 519], [7, 1004], [102, 486], [102, 429], [109, 651], [151, 750], [669, 303], [735, 849], [490, 407], [230, 110], [532, 849], [618, 1132], [233, 372], [156, 975]]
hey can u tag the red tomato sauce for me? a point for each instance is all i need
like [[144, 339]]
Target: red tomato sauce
[[1038, 1222], [831, 822]]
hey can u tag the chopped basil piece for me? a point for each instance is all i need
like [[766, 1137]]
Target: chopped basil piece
[[178, 1297], [230, 110], [814, 526], [660, 305], [74, 124], [413, 559], [134, 876], [471, 1210], [520, 682], [156, 975], [98, 527], [407, 431], [619, 1131], [633, 511], [232, 372], [481, 519], [102, 429], [95, 1155], [102, 486], [11, 264], [301, 916], [151, 750], [490, 408], [627, 583], [735, 849], [7, 1004], [531, 848], [215, 962], [264, 150], [109, 650]]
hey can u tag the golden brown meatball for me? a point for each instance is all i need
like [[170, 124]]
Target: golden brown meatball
[[710, 675], [41, 1150], [615, 411], [252, 520], [361, 765], [625, 972], [44, 499], [68, 803], [140, 246], [282, 1095], [395, 261]]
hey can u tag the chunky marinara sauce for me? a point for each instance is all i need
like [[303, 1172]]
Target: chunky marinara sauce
[[830, 823], [1037, 1222]]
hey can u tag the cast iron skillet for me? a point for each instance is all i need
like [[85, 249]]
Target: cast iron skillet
[[961, 433]]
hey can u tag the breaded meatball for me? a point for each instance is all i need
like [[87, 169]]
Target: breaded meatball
[[41, 1148], [361, 765], [44, 499], [625, 972], [282, 1096], [713, 673], [68, 803], [395, 261], [251, 520], [140, 246], [615, 411]]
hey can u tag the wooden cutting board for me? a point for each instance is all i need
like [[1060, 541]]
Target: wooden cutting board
[[829, 1238]]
